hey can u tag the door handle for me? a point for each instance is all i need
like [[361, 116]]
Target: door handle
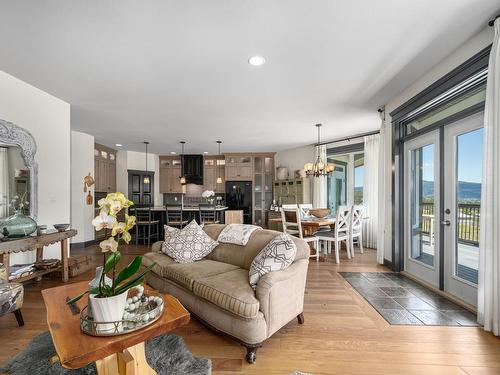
[[446, 222]]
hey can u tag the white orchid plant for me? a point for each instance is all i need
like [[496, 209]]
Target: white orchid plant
[[119, 231], [209, 195]]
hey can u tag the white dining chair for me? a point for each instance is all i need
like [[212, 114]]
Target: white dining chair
[[340, 233], [356, 228], [304, 209], [291, 224]]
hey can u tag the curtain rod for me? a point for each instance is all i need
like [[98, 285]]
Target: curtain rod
[[492, 22], [348, 138]]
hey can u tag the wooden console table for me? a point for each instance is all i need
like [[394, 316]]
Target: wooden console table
[[29, 243]]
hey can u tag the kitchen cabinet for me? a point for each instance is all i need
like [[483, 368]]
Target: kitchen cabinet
[[295, 191], [104, 169], [262, 187], [213, 168], [170, 175], [239, 168]]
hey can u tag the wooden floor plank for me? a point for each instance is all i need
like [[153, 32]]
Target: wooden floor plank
[[342, 333]]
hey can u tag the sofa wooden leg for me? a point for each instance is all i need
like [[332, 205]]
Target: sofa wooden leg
[[300, 318], [251, 354], [19, 317]]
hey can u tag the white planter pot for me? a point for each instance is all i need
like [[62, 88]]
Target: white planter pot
[[109, 309]]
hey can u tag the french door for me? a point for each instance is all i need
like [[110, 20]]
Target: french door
[[443, 170]]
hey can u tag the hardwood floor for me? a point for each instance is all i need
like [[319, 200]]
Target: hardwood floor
[[342, 333]]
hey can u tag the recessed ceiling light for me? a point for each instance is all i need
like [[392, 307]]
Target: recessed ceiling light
[[205, 152], [173, 152], [256, 60], [118, 145]]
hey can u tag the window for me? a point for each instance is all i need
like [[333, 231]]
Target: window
[[345, 184], [359, 172]]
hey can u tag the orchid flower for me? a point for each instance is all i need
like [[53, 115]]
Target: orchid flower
[[109, 245], [103, 221]]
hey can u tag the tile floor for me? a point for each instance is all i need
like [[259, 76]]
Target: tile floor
[[402, 301]]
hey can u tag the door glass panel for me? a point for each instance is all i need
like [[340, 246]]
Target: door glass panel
[[468, 204], [422, 201]]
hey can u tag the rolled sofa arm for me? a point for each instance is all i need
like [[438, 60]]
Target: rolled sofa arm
[[157, 247], [281, 294]]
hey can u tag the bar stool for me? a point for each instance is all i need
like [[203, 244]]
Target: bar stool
[[207, 214], [144, 225], [174, 216]]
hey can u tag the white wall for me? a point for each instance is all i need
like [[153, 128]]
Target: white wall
[[460, 55], [295, 158], [47, 118], [126, 160], [82, 163]]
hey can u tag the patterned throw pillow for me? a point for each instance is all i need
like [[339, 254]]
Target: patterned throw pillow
[[170, 232], [277, 255], [188, 244]]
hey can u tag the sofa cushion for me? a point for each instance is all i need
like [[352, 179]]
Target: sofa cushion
[[189, 244], [186, 273], [230, 291], [277, 255], [161, 261]]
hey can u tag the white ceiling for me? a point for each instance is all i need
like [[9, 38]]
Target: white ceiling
[[163, 71]]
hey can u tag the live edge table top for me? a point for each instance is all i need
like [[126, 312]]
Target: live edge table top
[[76, 349]]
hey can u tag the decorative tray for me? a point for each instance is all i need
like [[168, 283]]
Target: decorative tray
[[141, 310]]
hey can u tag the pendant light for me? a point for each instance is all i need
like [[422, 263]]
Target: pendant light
[[219, 178], [183, 179], [319, 167], [146, 176]]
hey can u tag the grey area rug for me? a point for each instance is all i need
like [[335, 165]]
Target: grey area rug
[[166, 354]]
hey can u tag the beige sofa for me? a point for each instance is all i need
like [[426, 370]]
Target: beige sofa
[[217, 291]]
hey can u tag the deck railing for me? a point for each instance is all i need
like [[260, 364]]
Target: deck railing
[[468, 221]]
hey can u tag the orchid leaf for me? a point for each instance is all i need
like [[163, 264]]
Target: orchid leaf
[[112, 261], [129, 271], [75, 299], [133, 281]]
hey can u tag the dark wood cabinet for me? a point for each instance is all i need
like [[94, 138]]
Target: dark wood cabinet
[[139, 191]]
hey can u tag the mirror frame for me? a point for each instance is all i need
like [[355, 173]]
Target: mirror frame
[[13, 135]]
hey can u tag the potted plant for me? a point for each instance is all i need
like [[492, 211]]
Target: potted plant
[[107, 300]]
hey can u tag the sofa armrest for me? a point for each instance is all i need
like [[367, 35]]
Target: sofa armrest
[[281, 294], [156, 247]]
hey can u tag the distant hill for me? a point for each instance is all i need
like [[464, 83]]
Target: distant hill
[[466, 190]]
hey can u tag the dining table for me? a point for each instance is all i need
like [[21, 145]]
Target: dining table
[[311, 224]]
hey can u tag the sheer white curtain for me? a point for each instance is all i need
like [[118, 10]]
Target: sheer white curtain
[[320, 184], [381, 196], [4, 182], [370, 190], [488, 305]]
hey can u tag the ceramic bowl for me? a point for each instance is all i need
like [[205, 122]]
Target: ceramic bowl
[[319, 212], [61, 227]]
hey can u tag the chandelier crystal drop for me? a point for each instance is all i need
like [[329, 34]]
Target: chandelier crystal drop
[[319, 167]]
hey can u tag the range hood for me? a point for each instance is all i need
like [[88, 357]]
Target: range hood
[[192, 168]]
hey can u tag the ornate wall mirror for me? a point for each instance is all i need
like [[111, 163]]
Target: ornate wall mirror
[[18, 169]]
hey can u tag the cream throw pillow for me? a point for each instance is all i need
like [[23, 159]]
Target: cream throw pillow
[[188, 244]]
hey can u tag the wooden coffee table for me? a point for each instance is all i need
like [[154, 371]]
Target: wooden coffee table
[[113, 355]]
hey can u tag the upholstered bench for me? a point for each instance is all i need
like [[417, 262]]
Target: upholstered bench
[[11, 299]]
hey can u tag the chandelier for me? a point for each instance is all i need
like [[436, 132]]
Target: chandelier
[[319, 167]]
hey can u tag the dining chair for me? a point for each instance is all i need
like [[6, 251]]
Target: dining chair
[[291, 219], [356, 231], [146, 227], [340, 233], [208, 214], [174, 216], [304, 209]]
